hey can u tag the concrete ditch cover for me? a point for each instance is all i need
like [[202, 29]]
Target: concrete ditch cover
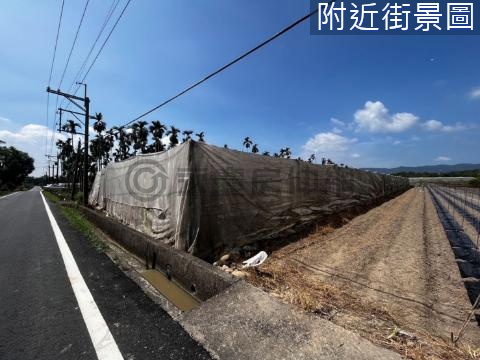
[[244, 322]]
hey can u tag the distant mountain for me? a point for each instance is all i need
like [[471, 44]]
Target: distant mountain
[[433, 169]]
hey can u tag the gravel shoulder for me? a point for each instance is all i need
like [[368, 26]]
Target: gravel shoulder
[[389, 274]]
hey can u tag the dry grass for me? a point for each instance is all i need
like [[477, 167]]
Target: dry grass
[[336, 301], [286, 281]]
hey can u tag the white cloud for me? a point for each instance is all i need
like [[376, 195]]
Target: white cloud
[[435, 125], [31, 139], [328, 143], [5, 120], [475, 93], [432, 125], [374, 117], [456, 127], [397, 142], [337, 122], [339, 125], [165, 140], [31, 134], [355, 155], [442, 158]]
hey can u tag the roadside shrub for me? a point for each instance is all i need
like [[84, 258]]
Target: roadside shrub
[[78, 197]]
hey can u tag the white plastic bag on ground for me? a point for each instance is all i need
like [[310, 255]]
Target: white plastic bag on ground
[[256, 260]]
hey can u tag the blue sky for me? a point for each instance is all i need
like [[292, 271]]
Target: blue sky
[[368, 101]]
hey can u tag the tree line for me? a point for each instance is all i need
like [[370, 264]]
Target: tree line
[[120, 143], [15, 166], [463, 173]]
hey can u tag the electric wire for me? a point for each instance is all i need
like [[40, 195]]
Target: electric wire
[[51, 72], [103, 45], [74, 43], [239, 58], [66, 67], [110, 12]]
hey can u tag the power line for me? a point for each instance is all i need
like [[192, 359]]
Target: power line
[[110, 12], [73, 44], [262, 44], [68, 61], [105, 42], [103, 45], [51, 71], [56, 42]]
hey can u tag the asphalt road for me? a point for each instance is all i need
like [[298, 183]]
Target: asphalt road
[[41, 316]]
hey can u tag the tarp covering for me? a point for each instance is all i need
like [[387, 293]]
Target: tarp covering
[[204, 199]]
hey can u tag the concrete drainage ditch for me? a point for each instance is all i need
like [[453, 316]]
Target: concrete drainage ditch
[[183, 279]]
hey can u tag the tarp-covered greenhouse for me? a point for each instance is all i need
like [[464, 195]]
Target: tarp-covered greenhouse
[[204, 199]]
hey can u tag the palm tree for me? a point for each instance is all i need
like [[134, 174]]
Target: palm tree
[[158, 130], [266, 153], [140, 136], [66, 149], [68, 157], [99, 126], [255, 148], [285, 153], [70, 127], [247, 142], [173, 132], [288, 152], [225, 146], [109, 142], [100, 146], [2, 142], [201, 136], [124, 143], [96, 150], [311, 159], [187, 135]]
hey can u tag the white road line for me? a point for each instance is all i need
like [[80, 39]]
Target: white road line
[[3, 197], [102, 339]]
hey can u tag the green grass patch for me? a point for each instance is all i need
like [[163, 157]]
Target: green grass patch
[[83, 225], [78, 221], [51, 196]]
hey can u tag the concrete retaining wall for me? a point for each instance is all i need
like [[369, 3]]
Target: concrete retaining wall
[[202, 279]]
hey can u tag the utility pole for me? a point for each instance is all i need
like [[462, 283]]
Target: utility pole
[[86, 109], [85, 154], [60, 121], [85, 159], [50, 157]]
